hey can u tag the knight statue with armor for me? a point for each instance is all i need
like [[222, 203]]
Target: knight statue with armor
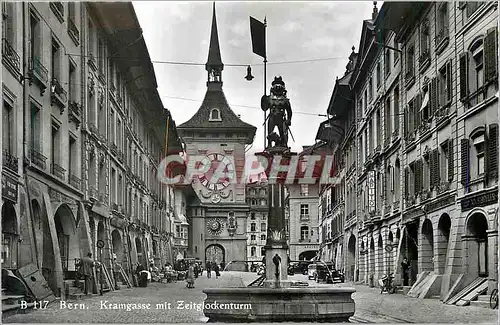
[[280, 113]]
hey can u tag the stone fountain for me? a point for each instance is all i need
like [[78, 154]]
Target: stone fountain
[[277, 299]]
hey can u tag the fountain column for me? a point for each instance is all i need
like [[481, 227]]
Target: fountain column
[[276, 248]]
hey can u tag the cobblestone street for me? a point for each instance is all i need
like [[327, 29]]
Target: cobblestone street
[[371, 306]]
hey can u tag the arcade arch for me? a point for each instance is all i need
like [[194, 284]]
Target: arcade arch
[[443, 239], [10, 236], [477, 245], [67, 238]]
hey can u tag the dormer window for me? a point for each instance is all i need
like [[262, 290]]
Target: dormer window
[[215, 115]]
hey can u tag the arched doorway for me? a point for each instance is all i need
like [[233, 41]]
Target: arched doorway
[[215, 253], [68, 239], [116, 241], [101, 235], [140, 253], [307, 255], [10, 236], [427, 248], [371, 258], [410, 249], [477, 245], [351, 257], [443, 238], [380, 257]]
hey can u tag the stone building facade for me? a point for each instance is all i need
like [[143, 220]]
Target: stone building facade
[[256, 196], [425, 92], [87, 154]]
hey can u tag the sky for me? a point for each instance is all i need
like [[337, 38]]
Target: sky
[[296, 31]]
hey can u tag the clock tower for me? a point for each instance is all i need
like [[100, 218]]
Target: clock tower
[[217, 137]]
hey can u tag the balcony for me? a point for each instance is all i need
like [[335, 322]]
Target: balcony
[[75, 181], [58, 171], [38, 159], [57, 8], [58, 95], [75, 112], [10, 161], [304, 217], [38, 74], [10, 58], [93, 193], [73, 31]]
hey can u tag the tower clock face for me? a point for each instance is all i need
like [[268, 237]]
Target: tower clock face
[[220, 172]]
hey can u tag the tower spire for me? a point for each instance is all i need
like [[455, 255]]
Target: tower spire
[[214, 60]]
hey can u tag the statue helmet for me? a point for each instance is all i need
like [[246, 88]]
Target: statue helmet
[[278, 81]]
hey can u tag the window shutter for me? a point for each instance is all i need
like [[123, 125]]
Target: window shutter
[[451, 161], [490, 54], [433, 99], [416, 108], [431, 170], [437, 172], [407, 180], [387, 121], [464, 151], [406, 122], [464, 81], [416, 174], [449, 80], [492, 155], [421, 173]]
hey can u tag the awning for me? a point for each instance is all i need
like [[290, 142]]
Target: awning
[[425, 102]]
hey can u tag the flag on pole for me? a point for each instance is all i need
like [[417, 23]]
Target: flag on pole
[[258, 32]]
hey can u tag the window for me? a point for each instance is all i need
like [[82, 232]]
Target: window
[[304, 190], [263, 226], [378, 74], [102, 176], [445, 159], [119, 190], [365, 101], [72, 82], [101, 55], [71, 11], [410, 61], [396, 53], [471, 7], [215, 115], [479, 146], [396, 176], [377, 131], [262, 237], [304, 209], [304, 233], [426, 172], [253, 250], [477, 80], [387, 63], [119, 134], [252, 215], [424, 108], [262, 251], [388, 129], [56, 61], [442, 23], [112, 126], [35, 39], [55, 145], [253, 227], [253, 237], [112, 185], [263, 202], [91, 40], [7, 127], [8, 15], [425, 42], [72, 156], [444, 84]]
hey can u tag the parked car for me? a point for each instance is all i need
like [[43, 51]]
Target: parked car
[[326, 272], [311, 271]]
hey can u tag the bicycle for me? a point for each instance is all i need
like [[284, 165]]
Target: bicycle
[[494, 299]]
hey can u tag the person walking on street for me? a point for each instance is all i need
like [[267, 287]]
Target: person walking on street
[[216, 269], [190, 277], [209, 269], [88, 265], [405, 265]]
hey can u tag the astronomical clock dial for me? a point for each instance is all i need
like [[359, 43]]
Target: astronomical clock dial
[[215, 226], [220, 164]]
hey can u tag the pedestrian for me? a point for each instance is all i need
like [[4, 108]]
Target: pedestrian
[[209, 269], [217, 269], [405, 265], [190, 277], [196, 270], [116, 272], [88, 265]]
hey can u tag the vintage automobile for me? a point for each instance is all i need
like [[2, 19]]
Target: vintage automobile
[[326, 272], [311, 271]]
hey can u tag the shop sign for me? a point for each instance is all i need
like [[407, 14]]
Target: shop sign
[[9, 188], [479, 200]]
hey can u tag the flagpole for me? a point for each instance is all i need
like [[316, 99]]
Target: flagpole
[[265, 79]]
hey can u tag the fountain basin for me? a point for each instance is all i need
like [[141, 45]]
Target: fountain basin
[[257, 304]]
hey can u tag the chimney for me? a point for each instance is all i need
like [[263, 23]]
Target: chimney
[[375, 11]]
